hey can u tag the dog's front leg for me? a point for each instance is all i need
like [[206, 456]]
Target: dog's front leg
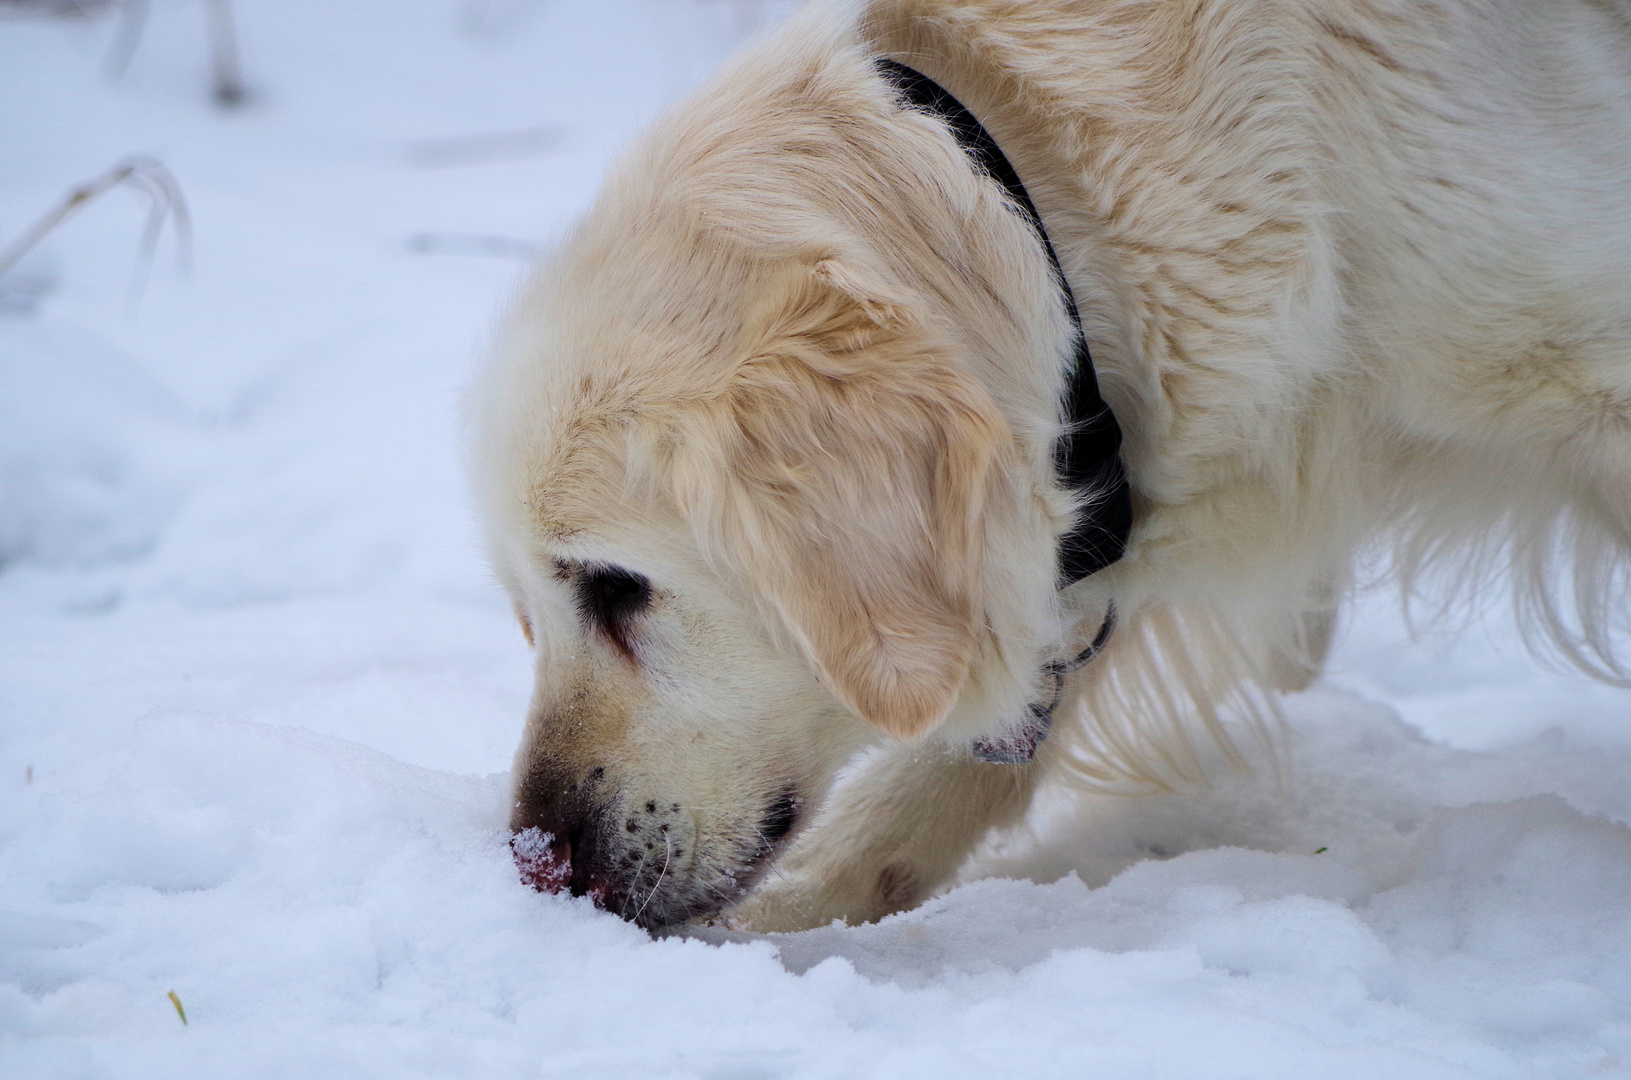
[[889, 838]]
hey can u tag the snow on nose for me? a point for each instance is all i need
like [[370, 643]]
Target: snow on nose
[[544, 863]]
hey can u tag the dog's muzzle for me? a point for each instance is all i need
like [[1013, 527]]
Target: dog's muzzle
[[639, 856]]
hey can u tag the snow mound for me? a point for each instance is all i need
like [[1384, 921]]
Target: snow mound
[[323, 907]]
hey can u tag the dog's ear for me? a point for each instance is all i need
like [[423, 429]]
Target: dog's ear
[[858, 463]]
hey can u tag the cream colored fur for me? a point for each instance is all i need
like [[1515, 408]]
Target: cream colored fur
[[1356, 277]]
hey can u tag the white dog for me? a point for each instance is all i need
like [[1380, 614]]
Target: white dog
[[767, 455]]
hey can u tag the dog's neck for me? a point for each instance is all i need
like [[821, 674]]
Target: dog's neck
[[1088, 453]]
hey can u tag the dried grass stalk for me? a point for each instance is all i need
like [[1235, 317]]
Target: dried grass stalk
[[140, 173], [227, 74]]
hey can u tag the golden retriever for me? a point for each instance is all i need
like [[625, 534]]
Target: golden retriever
[[766, 451]]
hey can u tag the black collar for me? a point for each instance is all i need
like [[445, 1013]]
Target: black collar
[[1089, 451], [1088, 454]]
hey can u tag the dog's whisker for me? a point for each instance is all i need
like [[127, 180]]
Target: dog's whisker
[[668, 853]]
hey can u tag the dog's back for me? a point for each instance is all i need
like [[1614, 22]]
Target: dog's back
[[1348, 266]]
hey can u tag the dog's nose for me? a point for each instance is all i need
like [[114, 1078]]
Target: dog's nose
[[548, 840], [545, 863]]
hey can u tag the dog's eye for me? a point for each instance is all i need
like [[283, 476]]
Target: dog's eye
[[610, 597]]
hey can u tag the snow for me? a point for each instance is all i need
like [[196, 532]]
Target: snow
[[258, 693]]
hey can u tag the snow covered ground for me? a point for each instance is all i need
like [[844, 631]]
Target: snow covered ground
[[257, 693]]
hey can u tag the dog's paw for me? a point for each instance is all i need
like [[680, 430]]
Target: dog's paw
[[783, 912], [787, 904], [779, 908]]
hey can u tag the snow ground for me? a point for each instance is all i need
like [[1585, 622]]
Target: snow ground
[[257, 694]]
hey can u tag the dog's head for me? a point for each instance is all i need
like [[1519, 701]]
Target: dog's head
[[757, 504]]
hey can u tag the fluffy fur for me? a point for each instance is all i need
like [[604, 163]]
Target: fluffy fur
[[1357, 280]]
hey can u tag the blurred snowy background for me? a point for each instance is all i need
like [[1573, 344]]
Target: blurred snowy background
[[258, 694]]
